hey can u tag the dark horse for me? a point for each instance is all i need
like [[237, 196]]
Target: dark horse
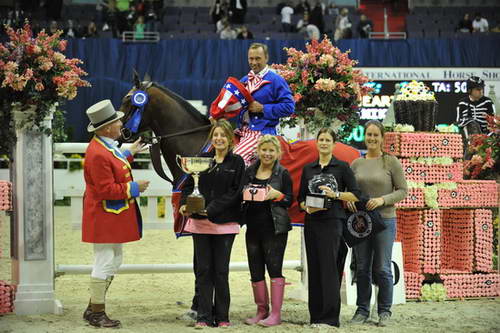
[[184, 131]]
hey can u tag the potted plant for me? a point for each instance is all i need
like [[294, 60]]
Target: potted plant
[[35, 77], [485, 149]]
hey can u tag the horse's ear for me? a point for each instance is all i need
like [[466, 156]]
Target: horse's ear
[[137, 81], [147, 78]]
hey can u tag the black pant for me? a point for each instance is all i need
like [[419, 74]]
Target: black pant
[[265, 249], [194, 303], [213, 253], [325, 258]]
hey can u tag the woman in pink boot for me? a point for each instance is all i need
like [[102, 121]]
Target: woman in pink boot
[[267, 195]]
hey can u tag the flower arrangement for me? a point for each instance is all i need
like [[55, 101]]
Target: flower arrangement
[[325, 85], [35, 75], [404, 128], [485, 150], [415, 91], [433, 292]]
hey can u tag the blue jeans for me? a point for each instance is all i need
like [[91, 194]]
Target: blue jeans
[[376, 254]]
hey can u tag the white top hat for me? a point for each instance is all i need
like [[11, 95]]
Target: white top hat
[[102, 113]]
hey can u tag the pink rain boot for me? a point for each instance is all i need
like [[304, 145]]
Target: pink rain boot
[[261, 298], [277, 294]]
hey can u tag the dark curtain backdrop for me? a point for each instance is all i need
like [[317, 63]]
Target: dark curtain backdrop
[[196, 69]]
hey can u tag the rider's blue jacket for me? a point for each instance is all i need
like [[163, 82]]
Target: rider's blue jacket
[[277, 100]]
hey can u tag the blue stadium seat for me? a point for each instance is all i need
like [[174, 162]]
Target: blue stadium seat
[[186, 18], [191, 29], [189, 11], [254, 10], [294, 36], [207, 35], [106, 34], [207, 27], [172, 11], [431, 33], [252, 18], [415, 34], [277, 35], [171, 26], [256, 28]]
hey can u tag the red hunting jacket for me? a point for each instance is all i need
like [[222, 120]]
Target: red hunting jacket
[[110, 211]]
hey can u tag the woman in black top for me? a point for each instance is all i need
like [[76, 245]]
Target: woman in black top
[[215, 227], [323, 230], [268, 224]]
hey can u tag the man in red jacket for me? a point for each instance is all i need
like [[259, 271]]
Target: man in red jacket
[[111, 215]]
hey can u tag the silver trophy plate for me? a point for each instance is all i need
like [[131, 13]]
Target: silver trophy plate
[[317, 197]]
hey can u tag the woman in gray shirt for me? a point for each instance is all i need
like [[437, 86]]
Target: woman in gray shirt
[[381, 177]]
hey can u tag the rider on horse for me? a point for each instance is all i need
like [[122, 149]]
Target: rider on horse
[[271, 100]]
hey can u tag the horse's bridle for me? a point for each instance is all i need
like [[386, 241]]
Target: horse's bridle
[[155, 149], [157, 139]]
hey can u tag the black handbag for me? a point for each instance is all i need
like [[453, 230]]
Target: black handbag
[[361, 225]]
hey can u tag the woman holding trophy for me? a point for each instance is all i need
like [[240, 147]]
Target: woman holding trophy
[[267, 195], [380, 176], [323, 185], [214, 215]]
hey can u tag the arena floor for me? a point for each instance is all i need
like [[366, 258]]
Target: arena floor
[[151, 302]]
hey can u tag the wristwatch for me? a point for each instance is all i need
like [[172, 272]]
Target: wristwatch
[[337, 195]]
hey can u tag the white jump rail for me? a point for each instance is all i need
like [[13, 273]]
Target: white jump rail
[[162, 268]]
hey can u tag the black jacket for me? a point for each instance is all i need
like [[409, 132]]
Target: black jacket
[[345, 181], [221, 187], [281, 181]]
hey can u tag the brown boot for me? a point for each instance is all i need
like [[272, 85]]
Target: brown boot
[[101, 319], [88, 310]]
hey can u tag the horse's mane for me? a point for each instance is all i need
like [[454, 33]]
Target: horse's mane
[[191, 110]]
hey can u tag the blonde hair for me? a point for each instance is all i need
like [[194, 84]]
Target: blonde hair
[[227, 129], [268, 138]]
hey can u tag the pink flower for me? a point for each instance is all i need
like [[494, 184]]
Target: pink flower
[[46, 65], [305, 77], [476, 159], [325, 85], [28, 74], [59, 57], [297, 97], [489, 163], [327, 60], [10, 66], [62, 45], [39, 86]]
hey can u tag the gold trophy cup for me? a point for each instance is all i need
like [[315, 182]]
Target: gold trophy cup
[[194, 166]]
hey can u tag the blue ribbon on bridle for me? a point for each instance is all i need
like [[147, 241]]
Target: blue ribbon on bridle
[[139, 100]]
